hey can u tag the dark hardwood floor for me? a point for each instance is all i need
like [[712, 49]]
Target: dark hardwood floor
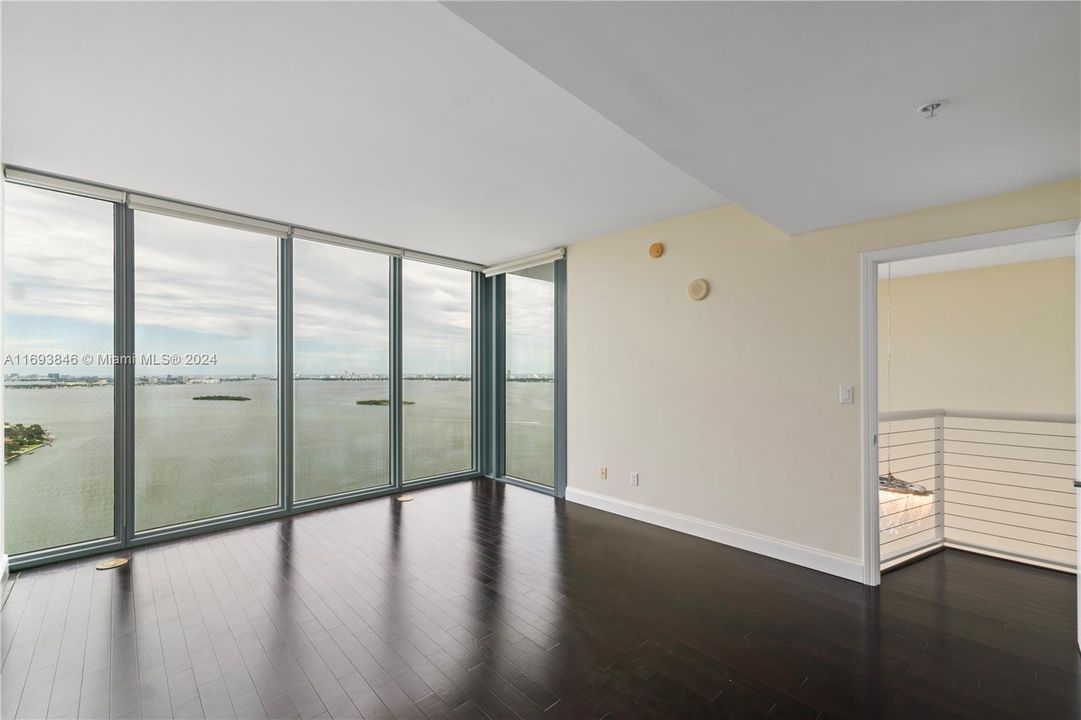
[[481, 600]]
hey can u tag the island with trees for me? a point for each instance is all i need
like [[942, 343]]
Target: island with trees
[[22, 439], [238, 398], [383, 403]]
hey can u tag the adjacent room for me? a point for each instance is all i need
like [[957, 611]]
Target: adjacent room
[[524, 360], [976, 425]]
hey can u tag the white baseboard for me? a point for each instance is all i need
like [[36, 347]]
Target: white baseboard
[[990, 552], [844, 567]]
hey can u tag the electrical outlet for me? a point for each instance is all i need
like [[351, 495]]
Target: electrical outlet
[[604, 472], [634, 478]]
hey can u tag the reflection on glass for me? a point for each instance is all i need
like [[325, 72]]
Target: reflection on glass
[[206, 389], [530, 386], [341, 360], [58, 376], [437, 366]]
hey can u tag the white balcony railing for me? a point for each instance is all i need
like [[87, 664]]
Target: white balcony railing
[[992, 482]]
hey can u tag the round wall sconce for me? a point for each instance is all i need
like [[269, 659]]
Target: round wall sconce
[[656, 250], [698, 289]]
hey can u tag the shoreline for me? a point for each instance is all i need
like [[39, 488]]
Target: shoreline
[[26, 451]]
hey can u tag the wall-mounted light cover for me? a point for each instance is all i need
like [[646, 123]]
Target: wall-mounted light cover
[[698, 289]]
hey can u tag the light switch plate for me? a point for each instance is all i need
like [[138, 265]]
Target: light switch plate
[[845, 394]]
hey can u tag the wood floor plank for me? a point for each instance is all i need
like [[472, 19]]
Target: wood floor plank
[[481, 600]]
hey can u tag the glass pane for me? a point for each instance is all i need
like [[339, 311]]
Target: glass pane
[[437, 370], [205, 381], [58, 410], [341, 365], [530, 386]]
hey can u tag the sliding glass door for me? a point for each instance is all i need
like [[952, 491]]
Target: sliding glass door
[[530, 375], [58, 370], [206, 400], [341, 370]]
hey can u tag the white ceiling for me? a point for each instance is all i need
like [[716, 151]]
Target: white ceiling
[[405, 124], [983, 257], [398, 123], [804, 113]]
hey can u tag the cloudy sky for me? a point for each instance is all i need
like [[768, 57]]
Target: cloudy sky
[[58, 269], [531, 322], [206, 289]]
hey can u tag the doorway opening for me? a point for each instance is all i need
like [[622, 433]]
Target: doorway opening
[[969, 410]]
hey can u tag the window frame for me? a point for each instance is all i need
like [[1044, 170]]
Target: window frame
[[116, 541], [124, 535], [133, 534], [488, 389], [476, 390], [287, 416], [497, 416]]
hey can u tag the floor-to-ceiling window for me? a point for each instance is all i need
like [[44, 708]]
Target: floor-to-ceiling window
[[437, 370], [341, 369], [170, 368], [530, 389], [58, 373], [206, 400]]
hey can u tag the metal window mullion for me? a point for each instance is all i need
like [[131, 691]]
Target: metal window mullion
[[498, 406], [396, 474], [124, 374], [483, 423], [560, 370], [476, 378], [286, 485]]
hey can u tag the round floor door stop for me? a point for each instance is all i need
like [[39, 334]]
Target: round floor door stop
[[698, 289], [112, 564]]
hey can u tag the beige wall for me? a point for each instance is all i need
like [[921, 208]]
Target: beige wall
[[991, 338], [728, 407]]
